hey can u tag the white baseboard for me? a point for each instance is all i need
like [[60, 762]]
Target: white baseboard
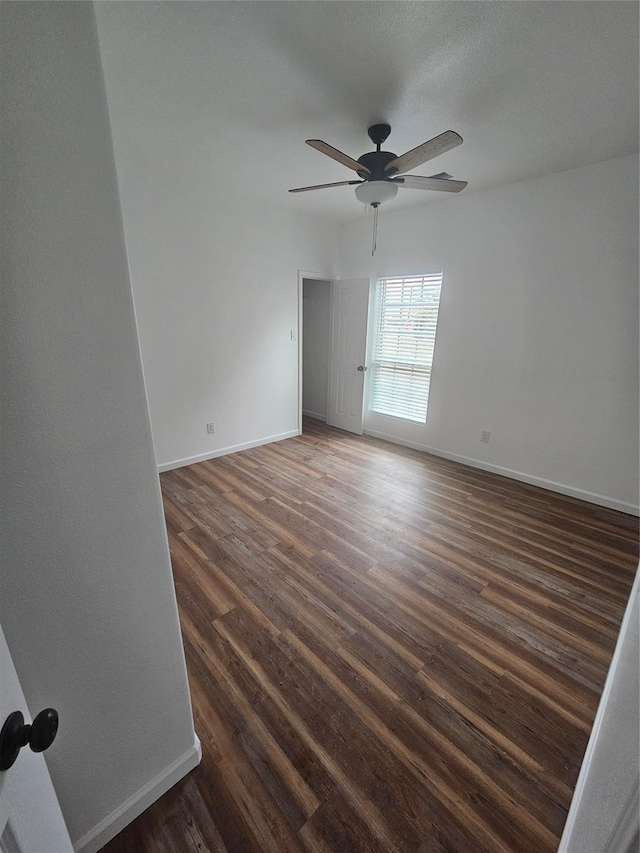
[[316, 415], [561, 488], [224, 451], [114, 823]]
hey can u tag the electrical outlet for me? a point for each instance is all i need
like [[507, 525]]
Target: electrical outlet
[[294, 335], [485, 435], [211, 428]]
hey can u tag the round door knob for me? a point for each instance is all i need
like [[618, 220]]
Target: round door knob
[[43, 730], [361, 368], [16, 733]]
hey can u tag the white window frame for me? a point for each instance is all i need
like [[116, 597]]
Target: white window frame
[[403, 347]]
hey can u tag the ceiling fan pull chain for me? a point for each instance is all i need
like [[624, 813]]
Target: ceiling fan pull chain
[[375, 230]]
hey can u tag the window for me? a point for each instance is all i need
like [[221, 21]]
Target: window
[[406, 315]]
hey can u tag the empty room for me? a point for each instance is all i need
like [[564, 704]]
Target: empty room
[[320, 441]]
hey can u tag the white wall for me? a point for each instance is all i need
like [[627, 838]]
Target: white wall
[[315, 346], [215, 285], [214, 276], [538, 331], [87, 599]]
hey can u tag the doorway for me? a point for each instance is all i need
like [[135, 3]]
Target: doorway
[[316, 347], [332, 323]]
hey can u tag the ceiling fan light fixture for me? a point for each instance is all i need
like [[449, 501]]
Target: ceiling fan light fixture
[[376, 192]]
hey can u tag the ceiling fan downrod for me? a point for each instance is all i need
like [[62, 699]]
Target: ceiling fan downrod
[[375, 162]]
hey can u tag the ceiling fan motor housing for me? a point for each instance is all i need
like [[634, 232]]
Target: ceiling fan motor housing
[[375, 162]]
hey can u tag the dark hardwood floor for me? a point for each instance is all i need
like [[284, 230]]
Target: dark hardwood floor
[[387, 651]]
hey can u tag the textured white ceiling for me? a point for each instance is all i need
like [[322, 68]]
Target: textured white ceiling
[[227, 92]]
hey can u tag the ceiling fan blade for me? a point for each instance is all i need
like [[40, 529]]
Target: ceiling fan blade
[[323, 186], [332, 152], [427, 151], [417, 182]]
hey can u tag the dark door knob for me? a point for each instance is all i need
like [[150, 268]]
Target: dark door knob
[[16, 733]]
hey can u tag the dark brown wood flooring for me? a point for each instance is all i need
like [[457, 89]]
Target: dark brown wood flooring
[[387, 651]]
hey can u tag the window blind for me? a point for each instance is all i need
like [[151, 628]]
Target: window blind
[[406, 316]]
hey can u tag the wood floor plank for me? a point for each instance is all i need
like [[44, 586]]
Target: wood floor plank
[[309, 711], [388, 652], [446, 768]]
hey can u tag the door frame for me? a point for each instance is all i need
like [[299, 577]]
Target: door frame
[[314, 276]]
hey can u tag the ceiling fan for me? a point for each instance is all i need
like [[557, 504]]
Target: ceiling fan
[[381, 171]]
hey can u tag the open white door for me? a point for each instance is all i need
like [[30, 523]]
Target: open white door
[[603, 817], [30, 817], [348, 354]]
